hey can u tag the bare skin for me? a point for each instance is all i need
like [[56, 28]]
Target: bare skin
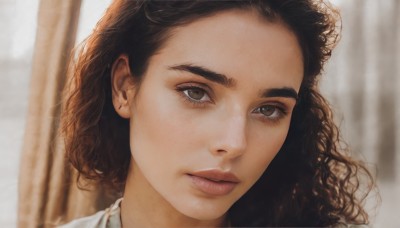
[[217, 98]]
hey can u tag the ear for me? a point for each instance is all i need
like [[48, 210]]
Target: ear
[[122, 86]]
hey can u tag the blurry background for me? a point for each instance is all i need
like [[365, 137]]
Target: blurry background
[[361, 81]]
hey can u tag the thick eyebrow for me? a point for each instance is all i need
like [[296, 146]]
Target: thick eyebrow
[[230, 82], [280, 92], [205, 73]]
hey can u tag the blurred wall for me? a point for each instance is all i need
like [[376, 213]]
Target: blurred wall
[[362, 82]]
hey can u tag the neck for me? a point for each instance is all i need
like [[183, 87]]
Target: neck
[[143, 206]]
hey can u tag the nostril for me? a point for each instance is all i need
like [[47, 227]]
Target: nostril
[[229, 151], [230, 138]]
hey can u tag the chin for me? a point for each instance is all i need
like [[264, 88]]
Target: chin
[[205, 209], [205, 215]]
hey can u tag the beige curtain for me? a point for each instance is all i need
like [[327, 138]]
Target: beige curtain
[[47, 194], [363, 83]]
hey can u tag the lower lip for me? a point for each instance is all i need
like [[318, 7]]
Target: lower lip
[[213, 188]]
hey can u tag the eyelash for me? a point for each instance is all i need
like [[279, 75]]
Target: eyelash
[[194, 102], [279, 113]]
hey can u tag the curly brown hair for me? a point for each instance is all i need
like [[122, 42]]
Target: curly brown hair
[[312, 181]]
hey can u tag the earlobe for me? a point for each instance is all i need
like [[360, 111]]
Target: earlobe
[[122, 86]]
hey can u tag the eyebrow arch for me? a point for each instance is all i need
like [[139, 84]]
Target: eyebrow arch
[[280, 92], [205, 73], [230, 82]]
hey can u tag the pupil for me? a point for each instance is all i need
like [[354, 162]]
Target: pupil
[[196, 94], [267, 110]]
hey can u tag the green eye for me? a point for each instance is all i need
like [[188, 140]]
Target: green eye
[[271, 112], [195, 93]]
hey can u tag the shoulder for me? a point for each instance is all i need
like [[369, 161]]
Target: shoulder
[[108, 218], [89, 221]]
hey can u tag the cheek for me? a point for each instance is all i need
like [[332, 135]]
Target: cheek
[[159, 128], [263, 146]]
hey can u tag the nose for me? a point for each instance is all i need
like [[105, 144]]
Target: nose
[[230, 140]]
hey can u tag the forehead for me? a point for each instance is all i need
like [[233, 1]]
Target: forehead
[[238, 43]]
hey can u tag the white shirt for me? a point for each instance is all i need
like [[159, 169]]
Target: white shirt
[[108, 218]]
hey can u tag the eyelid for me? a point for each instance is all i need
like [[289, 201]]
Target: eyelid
[[282, 108], [279, 104], [195, 85]]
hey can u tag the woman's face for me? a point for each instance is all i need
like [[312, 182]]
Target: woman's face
[[213, 110]]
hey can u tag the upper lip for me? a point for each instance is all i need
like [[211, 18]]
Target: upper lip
[[216, 175]]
